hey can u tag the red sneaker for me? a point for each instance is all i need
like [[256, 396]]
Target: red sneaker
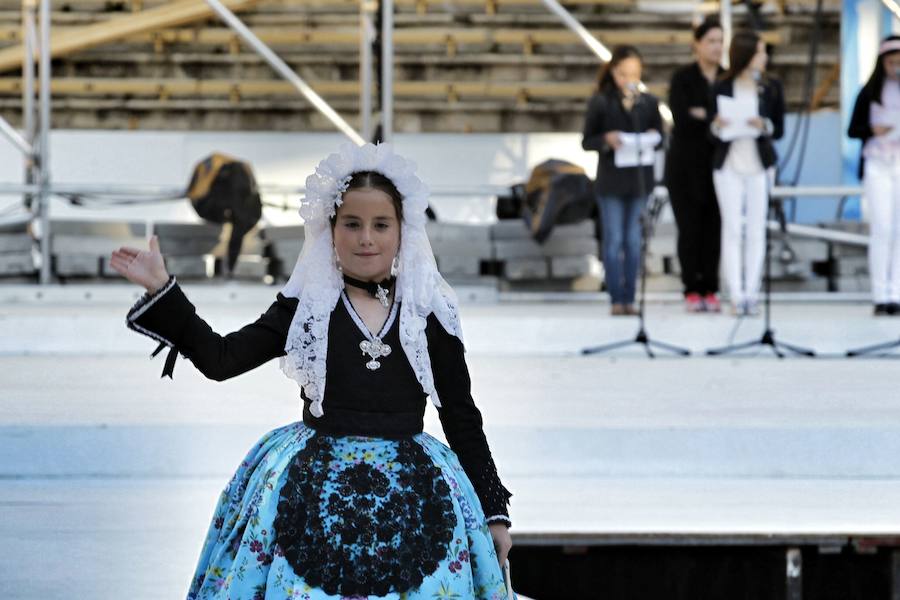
[[712, 304], [693, 303]]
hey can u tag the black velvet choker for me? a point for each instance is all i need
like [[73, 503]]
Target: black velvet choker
[[376, 289]]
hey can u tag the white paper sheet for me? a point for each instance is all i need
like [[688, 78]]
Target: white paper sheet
[[890, 117], [737, 112], [637, 147]]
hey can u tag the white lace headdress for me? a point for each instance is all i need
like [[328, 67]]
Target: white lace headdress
[[317, 283]]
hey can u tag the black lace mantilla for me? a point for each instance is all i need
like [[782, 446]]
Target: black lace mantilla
[[367, 537]]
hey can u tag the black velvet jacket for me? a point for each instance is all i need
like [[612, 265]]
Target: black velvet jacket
[[771, 106], [606, 113], [690, 143], [860, 126], [388, 402]]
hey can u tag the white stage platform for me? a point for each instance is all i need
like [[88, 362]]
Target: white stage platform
[[108, 474]]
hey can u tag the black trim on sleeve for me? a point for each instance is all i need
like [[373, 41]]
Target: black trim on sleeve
[[143, 304], [170, 318]]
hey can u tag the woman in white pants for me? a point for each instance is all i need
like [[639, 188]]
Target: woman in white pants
[[743, 166], [874, 121]]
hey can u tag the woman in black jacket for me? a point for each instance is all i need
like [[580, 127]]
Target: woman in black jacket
[[616, 109], [744, 165], [874, 121], [689, 171]]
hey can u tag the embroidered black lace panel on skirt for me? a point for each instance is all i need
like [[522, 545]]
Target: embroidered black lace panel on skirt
[[351, 529]]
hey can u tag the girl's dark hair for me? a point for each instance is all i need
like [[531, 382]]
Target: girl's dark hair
[[605, 79], [376, 181], [709, 23], [875, 84], [741, 53]]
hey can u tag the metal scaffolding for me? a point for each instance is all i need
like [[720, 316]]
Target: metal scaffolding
[[34, 139], [34, 142]]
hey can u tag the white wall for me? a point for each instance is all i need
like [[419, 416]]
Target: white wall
[[167, 158]]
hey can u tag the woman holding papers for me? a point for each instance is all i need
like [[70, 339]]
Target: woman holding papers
[[876, 121], [746, 114], [689, 171], [623, 125]]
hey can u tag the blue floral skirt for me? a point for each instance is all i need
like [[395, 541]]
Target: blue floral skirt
[[318, 517]]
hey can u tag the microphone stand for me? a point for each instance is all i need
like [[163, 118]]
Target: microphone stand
[[768, 336], [881, 350], [647, 212], [877, 349]]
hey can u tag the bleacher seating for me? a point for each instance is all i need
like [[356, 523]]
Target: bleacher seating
[[466, 65], [501, 255], [463, 65]]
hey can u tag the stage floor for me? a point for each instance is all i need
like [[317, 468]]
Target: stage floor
[[108, 474]]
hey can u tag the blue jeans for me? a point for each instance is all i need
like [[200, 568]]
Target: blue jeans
[[621, 245]]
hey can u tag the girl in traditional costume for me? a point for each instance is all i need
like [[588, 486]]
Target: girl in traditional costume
[[354, 501]]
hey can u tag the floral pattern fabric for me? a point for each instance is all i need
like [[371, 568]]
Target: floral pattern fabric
[[315, 517]]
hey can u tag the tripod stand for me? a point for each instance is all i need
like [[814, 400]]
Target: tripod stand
[[642, 338], [649, 213], [877, 349], [768, 336], [881, 349]]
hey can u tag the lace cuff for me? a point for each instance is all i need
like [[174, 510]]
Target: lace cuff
[[143, 304], [499, 519]]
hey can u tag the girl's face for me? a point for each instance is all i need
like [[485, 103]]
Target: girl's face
[[760, 59], [627, 73], [709, 47], [366, 234], [891, 65]]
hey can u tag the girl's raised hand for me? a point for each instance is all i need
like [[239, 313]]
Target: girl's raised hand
[[143, 267]]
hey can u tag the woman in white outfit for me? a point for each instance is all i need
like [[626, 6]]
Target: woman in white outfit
[[875, 122], [743, 166]]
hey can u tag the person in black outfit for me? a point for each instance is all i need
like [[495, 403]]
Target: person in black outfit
[[613, 111], [874, 122], [355, 500], [688, 172]]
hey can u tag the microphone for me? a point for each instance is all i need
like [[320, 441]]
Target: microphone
[[634, 90], [636, 87], [757, 78]]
